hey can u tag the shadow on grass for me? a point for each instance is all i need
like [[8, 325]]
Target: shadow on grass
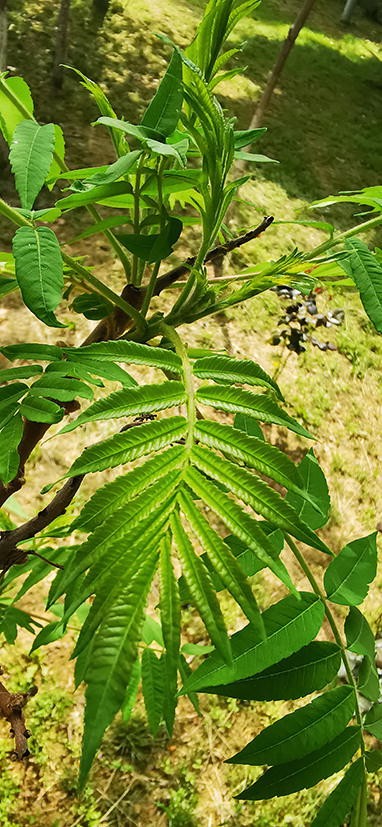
[[324, 121]]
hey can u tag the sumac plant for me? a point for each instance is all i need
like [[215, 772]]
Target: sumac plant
[[183, 468]]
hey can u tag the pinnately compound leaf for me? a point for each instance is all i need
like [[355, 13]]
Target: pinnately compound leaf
[[301, 732], [31, 156], [39, 271]]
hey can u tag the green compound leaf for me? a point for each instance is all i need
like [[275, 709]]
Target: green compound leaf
[[31, 156], [39, 271], [348, 576], [301, 732], [308, 771], [340, 802], [308, 670], [288, 624]]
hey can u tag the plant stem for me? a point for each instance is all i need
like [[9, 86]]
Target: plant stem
[[317, 590], [136, 220], [105, 291], [154, 274], [181, 350], [359, 815], [338, 239]]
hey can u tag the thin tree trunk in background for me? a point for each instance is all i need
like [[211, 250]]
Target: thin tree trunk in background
[[3, 35], [61, 45], [101, 6], [348, 10], [280, 62]]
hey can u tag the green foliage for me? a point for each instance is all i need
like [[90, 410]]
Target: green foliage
[[198, 463]]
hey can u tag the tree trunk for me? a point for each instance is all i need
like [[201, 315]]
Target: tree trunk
[[99, 11], [3, 35], [61, 45], [280, 62], [348, 10]]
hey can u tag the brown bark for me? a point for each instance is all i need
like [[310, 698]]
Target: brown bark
[[61, 44], [11, 708], [278, 67], [3, 35]]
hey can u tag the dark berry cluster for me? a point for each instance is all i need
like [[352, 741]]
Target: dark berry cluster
[[301, 317]]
